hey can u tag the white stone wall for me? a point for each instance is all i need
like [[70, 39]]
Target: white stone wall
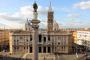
[[83, 37], [20, 42], [62, 43], [58, 42]]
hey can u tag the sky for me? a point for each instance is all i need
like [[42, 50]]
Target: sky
[[67, 13]]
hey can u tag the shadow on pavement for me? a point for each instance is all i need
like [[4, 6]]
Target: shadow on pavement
[[11, 58]]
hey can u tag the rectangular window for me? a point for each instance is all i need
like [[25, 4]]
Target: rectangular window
[[27, 47], [48, 37], [49, 49], [30, 49], [40, 50], [44, 39], [24, 47], [30, 37], [17, 42], [44, 49], [27, 40], [21, 37], [15, 47], [62, 48], [14, 42], [40, 38]]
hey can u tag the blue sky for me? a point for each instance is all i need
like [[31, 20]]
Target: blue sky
[[68, 13]]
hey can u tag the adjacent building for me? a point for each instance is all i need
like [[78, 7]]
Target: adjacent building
[[82, 38], [4, 40]]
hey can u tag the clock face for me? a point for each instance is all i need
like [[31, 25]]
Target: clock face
[[50, 20]]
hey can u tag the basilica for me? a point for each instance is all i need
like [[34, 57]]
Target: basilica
[[51, 41]]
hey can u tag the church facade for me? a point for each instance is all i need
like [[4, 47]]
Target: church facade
[[51, 40]]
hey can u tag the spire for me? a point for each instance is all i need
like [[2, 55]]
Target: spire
[[28, 22], [50, 7]]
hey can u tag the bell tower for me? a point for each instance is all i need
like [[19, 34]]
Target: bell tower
[[50, 19]]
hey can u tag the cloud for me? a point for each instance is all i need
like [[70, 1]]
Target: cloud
[[74, 24], [23, 13], [83, 5], [26, 12], [73, 15], [42, 11], [19, 17], [43, 24], [9, 17]]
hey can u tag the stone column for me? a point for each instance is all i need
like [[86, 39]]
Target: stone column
[[35, 27], [35, 45]]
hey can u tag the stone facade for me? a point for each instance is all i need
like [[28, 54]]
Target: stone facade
[[51, 40], [60, 42], [20, 41]]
